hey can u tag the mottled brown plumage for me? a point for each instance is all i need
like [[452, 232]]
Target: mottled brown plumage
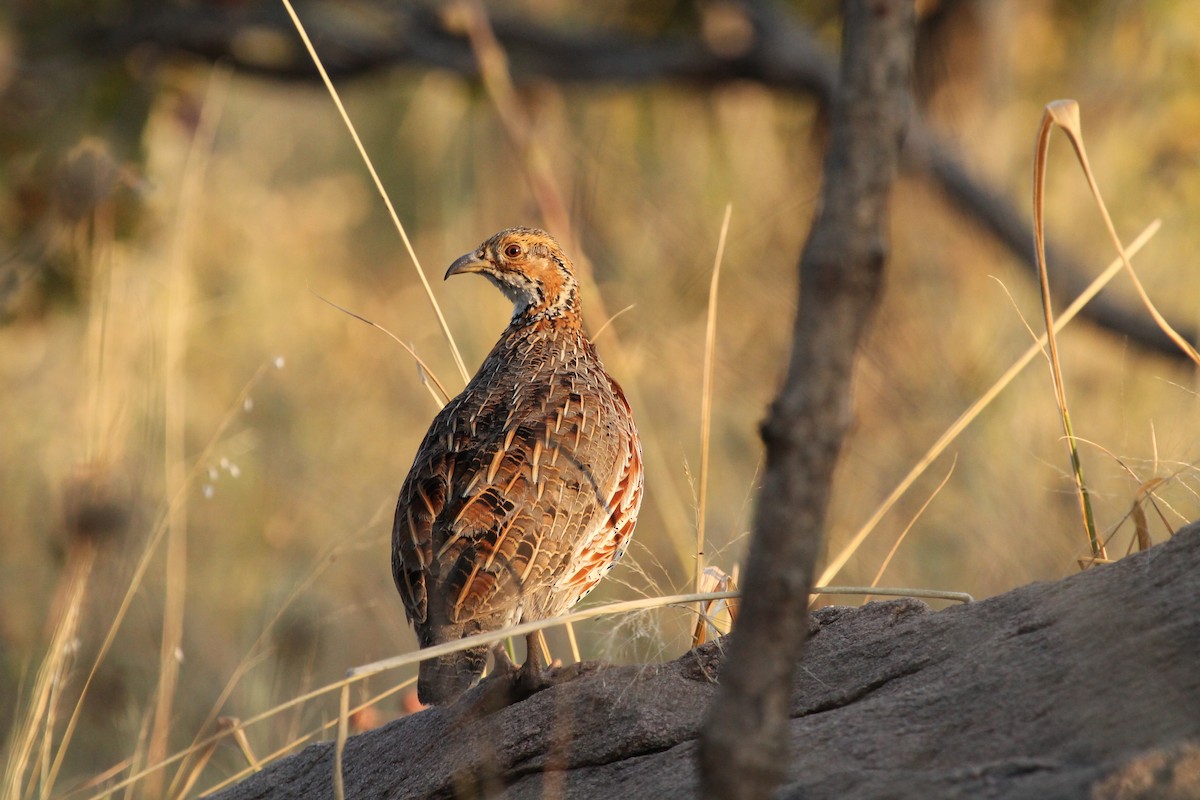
[[527, 486]]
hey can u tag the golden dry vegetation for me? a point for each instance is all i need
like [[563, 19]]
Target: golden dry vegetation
[[202, 389]]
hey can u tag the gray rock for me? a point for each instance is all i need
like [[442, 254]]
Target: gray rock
[[1087, 687]]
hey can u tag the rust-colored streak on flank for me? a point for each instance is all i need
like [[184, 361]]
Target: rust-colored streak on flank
[[497, 460], [527, 485], [533, 462]]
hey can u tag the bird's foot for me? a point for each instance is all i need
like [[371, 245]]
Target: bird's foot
[[532, 678], [508, 684], [502, 664]]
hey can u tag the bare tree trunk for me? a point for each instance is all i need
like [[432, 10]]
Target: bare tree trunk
[[744, 747]]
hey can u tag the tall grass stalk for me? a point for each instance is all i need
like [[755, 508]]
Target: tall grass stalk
[[101, 432], [1064, 114], [387, 201], [1060, 392], [175, 393], [706, 392]]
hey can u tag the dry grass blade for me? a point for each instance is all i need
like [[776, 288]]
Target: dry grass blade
[[50, 676], [977, 407], [610, 320], [362, 151], [193, 773], [575, 654], [920, 512], [300, 740], [892, 591], [715, 580], [706, 392], [107, 775], [1141, 528], [625, 606], [239, 736], [139, 756], [426, 372], [1065, 114], [526, 628], [1054, 115]]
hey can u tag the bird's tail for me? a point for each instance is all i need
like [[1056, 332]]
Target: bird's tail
[[443, 679]]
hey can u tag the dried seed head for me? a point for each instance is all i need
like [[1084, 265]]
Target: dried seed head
[[87, 176], [97, 504]]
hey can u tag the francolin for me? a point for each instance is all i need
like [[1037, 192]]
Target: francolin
[[527, 485]]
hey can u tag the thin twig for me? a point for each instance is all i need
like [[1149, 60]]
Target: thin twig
[[887, 560], [426, 371]]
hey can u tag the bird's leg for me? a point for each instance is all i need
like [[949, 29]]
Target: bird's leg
[[535, 646], [532, 677], [508, 684], [502, 664], [498, 690]]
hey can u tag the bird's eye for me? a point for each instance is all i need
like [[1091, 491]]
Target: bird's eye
[[512, 250]]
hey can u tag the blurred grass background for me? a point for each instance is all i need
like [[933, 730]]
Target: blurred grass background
[[285, 572]]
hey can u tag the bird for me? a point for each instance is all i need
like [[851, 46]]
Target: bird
[[526, 488]]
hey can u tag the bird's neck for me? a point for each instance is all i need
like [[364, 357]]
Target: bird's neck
[[559, 306], [546, 320]]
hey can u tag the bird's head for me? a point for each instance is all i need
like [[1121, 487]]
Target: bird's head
[[529, 267]]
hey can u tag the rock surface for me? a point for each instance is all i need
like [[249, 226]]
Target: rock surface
[[1088, 687]]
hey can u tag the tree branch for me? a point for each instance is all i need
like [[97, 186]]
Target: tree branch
[[778, 53], [743, 749]]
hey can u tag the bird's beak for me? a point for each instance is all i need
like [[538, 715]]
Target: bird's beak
[[471, 262]]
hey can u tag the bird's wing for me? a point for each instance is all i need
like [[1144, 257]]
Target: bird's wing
[[516, 503], [604, 540]]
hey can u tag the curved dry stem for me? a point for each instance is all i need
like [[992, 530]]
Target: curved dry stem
[[610, 320], [887, 560], [425, 370], [1065, 114], [1055, 114]]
